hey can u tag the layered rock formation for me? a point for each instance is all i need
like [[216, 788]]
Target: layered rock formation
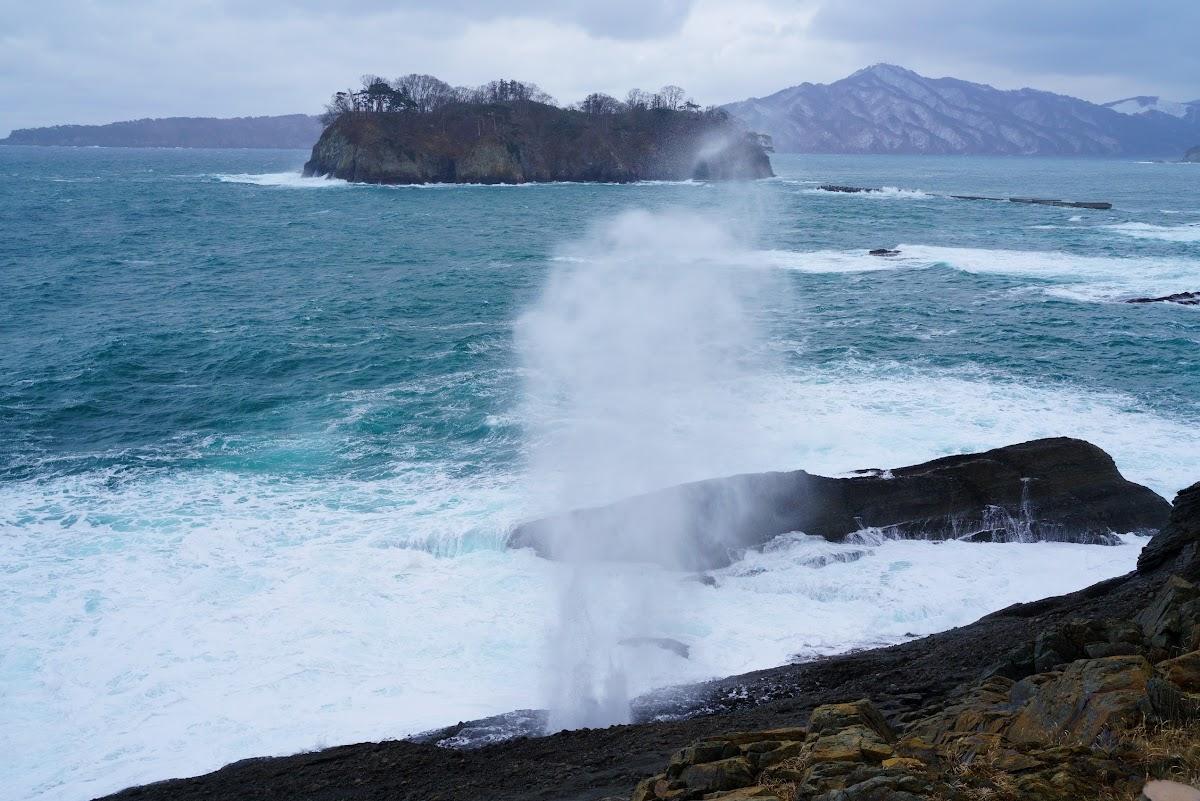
[[1051, 489], [534, 142]]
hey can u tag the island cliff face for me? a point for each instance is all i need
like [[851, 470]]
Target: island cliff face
[[536, 142]]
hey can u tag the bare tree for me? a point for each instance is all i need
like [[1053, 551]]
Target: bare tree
[[426, 92], [600, 103], [670, 97], [636, 99]]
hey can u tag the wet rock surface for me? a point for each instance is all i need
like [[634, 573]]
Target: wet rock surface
[[1182, 298], [1050, 489]]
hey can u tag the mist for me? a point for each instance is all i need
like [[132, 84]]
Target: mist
[[634, 353]]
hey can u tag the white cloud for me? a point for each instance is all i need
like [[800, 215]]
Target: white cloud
[[87, 61]]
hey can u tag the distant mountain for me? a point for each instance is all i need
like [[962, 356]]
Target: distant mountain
[[889, 109], [287, 131], [1147, 104]]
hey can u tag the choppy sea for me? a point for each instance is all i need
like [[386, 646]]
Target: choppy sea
[[262, 436]]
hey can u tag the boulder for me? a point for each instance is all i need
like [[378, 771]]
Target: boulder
[[1182, 671], [1172, 619], [1051, 489], [724, 774], [1180, 535], [1089, 696]]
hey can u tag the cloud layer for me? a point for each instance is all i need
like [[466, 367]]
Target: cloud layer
[[89, 61]]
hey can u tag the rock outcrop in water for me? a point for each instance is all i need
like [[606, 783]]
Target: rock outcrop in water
[[1182, 298], [529, 141], [1050, 489]]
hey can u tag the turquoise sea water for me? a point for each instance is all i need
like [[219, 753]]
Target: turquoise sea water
[[261, 436]]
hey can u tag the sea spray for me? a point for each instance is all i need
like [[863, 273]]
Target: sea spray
[[634, 356]]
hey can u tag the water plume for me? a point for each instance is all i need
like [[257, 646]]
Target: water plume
[[636, 355]]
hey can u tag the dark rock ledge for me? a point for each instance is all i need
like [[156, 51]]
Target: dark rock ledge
[[1049, 489]]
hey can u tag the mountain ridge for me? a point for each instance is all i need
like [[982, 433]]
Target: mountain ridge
[[280, 131], [885, 108]]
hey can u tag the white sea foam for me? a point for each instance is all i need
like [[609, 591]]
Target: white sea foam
[[291, 180], [165, 626], [1189, 232], [1087, 278], [879, 193]]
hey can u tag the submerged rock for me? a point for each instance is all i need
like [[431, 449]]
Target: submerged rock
[[883, 252], [1182, 298], [665, 643], [1051, 489]]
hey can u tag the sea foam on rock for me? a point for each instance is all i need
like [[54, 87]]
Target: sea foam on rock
[[1058, 489]]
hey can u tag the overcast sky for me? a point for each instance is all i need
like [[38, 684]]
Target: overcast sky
[[65, 61]]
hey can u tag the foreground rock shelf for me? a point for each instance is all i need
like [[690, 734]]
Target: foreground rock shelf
[[1050, 489]]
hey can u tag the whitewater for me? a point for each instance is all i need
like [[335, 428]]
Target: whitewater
[[262, 437]]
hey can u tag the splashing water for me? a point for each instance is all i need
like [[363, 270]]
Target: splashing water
[[642, 325]]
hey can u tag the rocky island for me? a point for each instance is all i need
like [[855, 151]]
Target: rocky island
[[419, 130], [1192, 156], [1086, 695]]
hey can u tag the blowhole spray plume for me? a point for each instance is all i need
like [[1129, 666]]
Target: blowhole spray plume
[[634, 354]]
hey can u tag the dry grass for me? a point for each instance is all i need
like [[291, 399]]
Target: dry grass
[[1166, 751]]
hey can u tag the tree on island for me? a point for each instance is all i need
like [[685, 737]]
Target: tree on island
[[425, 94]]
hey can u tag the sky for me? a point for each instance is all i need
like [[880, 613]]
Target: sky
[[95, 61]]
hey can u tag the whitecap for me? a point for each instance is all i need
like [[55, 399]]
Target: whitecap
[[293, 180], [1189, 232]]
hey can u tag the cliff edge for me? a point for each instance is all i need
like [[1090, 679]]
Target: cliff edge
[[528, 141]]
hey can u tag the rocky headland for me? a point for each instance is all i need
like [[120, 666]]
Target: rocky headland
[[1085, 695], [1192, 156], [498, 136]]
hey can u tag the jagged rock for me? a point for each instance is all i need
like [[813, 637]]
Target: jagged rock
[[1179, 537], [756, 792], [831, 718], [1051, 489], [1088, 697], [724, 774], [699, 754], [1182, 671], [1182, 298], [1171, 619]]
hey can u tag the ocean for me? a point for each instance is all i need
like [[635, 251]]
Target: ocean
[[262, 436]]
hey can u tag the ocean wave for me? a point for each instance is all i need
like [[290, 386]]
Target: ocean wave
[[209, 616], [1189, 232], [291, 180], [1066, 275], [882, 193]]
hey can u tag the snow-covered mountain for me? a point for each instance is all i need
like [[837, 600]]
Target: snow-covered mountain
[[1144, 104], [889, 109]]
